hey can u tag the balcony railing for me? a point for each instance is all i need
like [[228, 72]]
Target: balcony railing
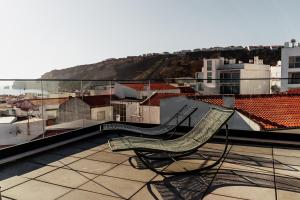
[[32, 109]]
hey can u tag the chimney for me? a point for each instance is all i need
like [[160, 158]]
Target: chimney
[[287, 44], [228, 101]]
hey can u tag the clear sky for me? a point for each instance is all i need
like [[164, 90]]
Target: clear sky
[[37, 36]]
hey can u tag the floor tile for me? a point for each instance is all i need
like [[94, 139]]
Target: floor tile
[[243, 184], [65, 177], [188, 165], [39, 172], [12, 181], [286, 152], [54, 159], [91, 166], [84, 195], [286, 160], [287, 195], [214, 146], [246, 192], [251, 149], [287, 181], [108, 157], [289, 170], [35, 190], [147, 193], [117, 187], [128, 172], [192, 186], [83, 154], [219, 197]]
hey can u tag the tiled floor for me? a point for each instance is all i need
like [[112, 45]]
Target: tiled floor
[[88, 170]]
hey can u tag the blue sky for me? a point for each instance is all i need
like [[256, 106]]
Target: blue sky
[[41, 35]]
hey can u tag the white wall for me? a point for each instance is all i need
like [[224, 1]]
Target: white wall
[[252, 71], [171, 105], [275, 76], [150, 114], [107, 110], [285, 53], [212, 88]]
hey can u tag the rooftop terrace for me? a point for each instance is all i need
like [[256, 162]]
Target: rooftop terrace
[[87, 169]]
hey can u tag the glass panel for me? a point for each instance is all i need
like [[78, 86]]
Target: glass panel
[[63, 109], [21, 112]]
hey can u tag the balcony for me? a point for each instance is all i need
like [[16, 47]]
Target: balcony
[[50, 151]]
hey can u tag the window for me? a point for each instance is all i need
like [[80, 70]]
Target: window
[[209, 65], [294, 62], [230, 77], [119, 110], [230, 89], [101, 115], [209, 77], [294, 78]]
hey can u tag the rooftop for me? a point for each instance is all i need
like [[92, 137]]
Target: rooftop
[[269, 111], [89, 170], [154, 100], [153, 86]]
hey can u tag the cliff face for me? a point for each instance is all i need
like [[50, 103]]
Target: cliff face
[[157, 66]]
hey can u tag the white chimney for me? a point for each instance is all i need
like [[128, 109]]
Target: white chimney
[[287, 44], [228, 101]]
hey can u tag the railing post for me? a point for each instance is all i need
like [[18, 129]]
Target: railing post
[[0, 194], [189, 121]]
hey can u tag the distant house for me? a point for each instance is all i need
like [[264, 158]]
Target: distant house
[[87, 107], [142, 91], [150, 108], [44, 108]]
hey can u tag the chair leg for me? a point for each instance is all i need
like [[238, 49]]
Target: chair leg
[[147, 164]]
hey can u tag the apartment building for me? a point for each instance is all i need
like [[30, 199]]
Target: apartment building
[[227, 76], [290, 61]]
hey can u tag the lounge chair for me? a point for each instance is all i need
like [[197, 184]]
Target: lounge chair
[[184, 113], [148, 149]]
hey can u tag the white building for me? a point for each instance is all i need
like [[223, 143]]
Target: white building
[[275, 82], [229, 77], [290, 61]]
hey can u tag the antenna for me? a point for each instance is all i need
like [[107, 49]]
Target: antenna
[[293, 41]]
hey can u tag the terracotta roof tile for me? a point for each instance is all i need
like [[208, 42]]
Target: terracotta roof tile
[[98, 100], [48, 101], [294, 91], [153, 86], [155, 99], [269, 111], [186, 90]]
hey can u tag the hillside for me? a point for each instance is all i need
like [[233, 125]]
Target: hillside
[[157, 66]]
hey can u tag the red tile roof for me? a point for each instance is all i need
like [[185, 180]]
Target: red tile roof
[[48, 101], [155, 99], [269, 111], [186, 89], [294, 91], [153, 86], [98, 100]]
